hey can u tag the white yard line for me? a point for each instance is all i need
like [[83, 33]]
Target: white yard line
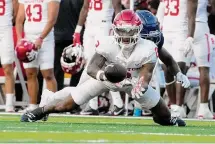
[[119, 132], [111, 117]]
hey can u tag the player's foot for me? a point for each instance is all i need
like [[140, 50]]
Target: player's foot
[[44, 100], [9, 109], [31, 107], [33, 116], [89, 111], [205, 114], [177, 111], [176, 121], [116, 111]]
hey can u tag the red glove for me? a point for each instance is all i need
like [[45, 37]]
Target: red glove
[[77, 38]]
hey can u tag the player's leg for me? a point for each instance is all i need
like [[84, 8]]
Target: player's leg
[[7, 59], [67, 99], [151, 100], [33, 86], [89, 50], [118, 107], [175, 90], [46, 63], [202, 52]]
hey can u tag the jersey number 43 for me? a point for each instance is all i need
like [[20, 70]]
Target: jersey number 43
[[2, 7], [172, 7], [95, 4], [37, 17]]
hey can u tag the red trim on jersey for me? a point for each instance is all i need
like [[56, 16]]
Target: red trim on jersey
[[208, 46], [193, 78]]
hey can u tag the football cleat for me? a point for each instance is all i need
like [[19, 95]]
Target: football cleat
[[33, 116], [89, 111], [116, 111], [176, 121], [28, 117]]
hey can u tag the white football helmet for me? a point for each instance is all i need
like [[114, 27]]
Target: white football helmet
[[72, 59]]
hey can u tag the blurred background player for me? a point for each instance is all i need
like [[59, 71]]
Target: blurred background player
[[8, 13], [63, 30], [39, 18], [151, 31], [202, 52], [178, 25], [97, 16]]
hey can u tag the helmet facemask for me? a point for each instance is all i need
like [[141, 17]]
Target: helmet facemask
[[126, 35]]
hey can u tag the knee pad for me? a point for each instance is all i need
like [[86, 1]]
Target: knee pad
[[149, 99]]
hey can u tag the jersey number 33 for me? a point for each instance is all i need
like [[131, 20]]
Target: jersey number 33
[[2, 7], [172, 7]]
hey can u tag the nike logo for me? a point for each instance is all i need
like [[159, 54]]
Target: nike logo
[[118, 112]]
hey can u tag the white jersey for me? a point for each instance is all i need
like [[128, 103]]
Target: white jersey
[[100, 11], [36, 15], [175, 17], [144, 52], [6, 13], [201, 14]]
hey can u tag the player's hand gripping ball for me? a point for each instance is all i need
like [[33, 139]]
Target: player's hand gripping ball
[[115, 72]]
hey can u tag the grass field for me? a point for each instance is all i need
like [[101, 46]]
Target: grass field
[[81, 129]]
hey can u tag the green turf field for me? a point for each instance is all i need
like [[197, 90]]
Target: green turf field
[[102, 130]]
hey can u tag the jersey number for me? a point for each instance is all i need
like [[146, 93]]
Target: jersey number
[[38, 9], [171, 11], [2, 7], [95, 4]]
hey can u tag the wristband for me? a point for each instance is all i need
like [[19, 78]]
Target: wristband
[[171, 82], [78, 29], [98, 75]]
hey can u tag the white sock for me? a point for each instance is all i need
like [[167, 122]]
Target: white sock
[[137, 105], [10, 99], [117, 100], [33, 106], [203, 106], [93, 103]]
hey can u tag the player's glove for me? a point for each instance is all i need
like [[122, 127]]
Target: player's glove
[[188, 50], [32, 55], [77, 35], [138, 89], [77, 38], [183, 80]]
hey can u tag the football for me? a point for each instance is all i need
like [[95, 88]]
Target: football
[[115, 72]]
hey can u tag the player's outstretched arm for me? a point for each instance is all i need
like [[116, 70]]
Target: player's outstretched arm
[[173, 67], [95, 66], [19, 21], [53, 9], [117, 6], [168, 60]]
